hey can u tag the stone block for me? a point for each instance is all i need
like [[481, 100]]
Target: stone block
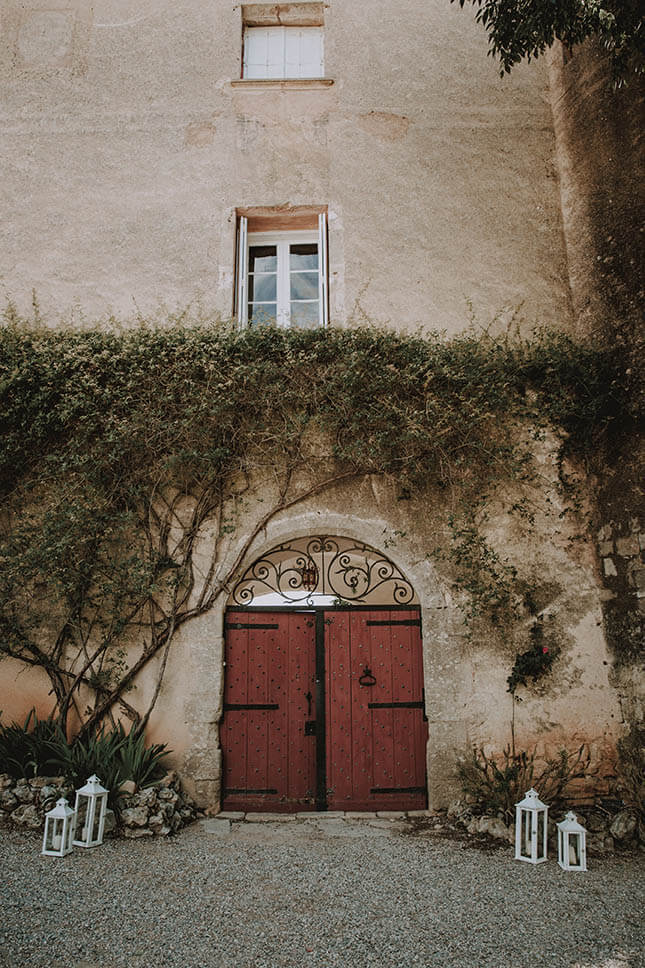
[[391, 814], [356, 815], [609, 568], [624, 826], [135, 817], [47, 792], [23, 792], [637, 577], [270, 817], [8, 801], [217, 826], [417, 813], [27, 816], [36, 782], [231, 815], [605, 548], [312, 814], [627, 546]]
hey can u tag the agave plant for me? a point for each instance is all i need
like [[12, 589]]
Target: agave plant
[[140, 763], [30, 749], [40, 748]]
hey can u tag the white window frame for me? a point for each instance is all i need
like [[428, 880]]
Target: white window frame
[[282, 240], [280, 64]]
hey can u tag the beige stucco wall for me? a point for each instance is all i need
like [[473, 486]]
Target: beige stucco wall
[[464, 677], [601, 159], [126, 151]]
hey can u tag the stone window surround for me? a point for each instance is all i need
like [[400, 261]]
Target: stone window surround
[[279, 220], [281, 15]]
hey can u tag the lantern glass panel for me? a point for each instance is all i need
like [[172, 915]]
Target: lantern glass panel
[[526, 833], [56, 835], [87, 825], [541, 833]]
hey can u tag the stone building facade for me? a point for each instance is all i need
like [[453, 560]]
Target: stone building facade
[[142, 144]]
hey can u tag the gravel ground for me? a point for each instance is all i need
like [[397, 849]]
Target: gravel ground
[[315, 895]]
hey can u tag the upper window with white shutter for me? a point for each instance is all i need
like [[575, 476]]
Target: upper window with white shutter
[[283, 52]]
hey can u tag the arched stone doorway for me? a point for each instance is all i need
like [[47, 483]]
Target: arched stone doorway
[[323, 689]]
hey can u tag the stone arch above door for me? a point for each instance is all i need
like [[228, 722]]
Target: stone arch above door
[[444, 670]]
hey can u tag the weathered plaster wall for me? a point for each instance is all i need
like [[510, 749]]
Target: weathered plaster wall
[[465, 677], [601, 159], [126, 150]]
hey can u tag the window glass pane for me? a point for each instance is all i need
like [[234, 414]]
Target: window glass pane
[[262, 288], [262, 314], [304, 285], [303, 256], [305, 315], [263, 258]]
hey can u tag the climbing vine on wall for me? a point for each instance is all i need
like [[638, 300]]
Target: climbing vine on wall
[[119, 450]]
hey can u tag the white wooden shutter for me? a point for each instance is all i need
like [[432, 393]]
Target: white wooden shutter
[[263, 52], [241, 304], [311, 52], [322, 279], [278, 52]]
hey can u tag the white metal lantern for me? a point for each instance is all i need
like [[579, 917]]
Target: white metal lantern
[[572, 844], [91, 807], [531, 818], [59, 830]]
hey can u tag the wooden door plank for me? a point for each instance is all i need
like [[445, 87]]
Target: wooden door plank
[[267, 763]]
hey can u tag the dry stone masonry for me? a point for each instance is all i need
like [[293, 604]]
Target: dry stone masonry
[[158, 810]]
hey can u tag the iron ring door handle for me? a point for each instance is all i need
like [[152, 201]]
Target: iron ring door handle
[[367, 678]]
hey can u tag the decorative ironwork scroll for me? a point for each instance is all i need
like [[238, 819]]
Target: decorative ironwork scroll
[[350, 571]]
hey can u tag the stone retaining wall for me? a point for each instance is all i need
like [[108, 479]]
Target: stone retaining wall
[[158, 810]]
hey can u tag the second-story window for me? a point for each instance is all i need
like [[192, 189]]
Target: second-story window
[[283, 52], [282, 277]]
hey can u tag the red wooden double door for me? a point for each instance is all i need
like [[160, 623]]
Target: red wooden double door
[[324, 710]]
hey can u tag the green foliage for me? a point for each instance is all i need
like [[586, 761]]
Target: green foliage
[[40, 748], [534, 663], [518, 29], [25, 750], [114, 756], [493, 785], [489, 582], [141, 763], [118, 449], [631, 769]]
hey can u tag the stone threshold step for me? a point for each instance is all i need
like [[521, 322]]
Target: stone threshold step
[[236, 816]]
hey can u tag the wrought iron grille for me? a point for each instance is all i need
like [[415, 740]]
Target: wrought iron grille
[[350, 571]]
